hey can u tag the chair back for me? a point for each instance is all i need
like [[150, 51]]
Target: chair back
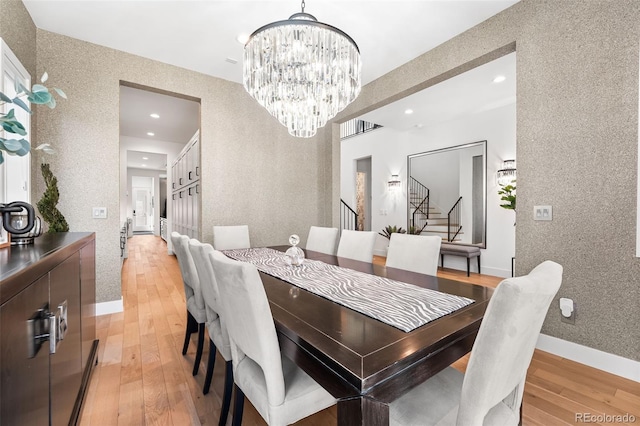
[[187, 269], [323, 240], [249, 322], [231, 237], [202, 255], [357, 245], [415, 253], [505, 343]]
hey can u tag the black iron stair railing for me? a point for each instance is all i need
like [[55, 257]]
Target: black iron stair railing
[[419, 201], [348, 217], [453, 220]]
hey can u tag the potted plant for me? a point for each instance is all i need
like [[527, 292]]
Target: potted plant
[[38, 95], [386, 232], [508, 196]]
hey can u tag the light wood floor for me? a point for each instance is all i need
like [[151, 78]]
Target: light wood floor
[[143, 379]]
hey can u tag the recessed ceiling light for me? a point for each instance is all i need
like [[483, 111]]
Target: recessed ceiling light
[[145, 158], [499, 79], [408, 111], [150, 134], [154, 115], [243, 38], [144, 165]]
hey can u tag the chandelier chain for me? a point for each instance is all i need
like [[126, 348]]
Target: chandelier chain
[[303, 5]]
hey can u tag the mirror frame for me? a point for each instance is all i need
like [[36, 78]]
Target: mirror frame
[[482, 143]]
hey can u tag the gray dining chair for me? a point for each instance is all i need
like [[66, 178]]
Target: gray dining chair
[[323, 240], [218, 337], [279, 390], [231, 237], [357, 245], [490, 392], [415, 253], [196, 313]]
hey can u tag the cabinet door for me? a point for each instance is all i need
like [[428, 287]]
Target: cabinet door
[[66, 363], [24, 380]]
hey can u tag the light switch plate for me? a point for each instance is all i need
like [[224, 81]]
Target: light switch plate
[[99, 212], [542, 213]]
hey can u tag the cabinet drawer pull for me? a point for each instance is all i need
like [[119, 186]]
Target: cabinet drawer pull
[[190, 191], [180, 181], [197, 188], [39, 328], [181, 194], [190, 173], [197, 171]]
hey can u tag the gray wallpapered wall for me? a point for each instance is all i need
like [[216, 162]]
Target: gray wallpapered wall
[[577, 144], [577, 147]]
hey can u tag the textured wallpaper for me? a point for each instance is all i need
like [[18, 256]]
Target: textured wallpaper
[[577, 145]]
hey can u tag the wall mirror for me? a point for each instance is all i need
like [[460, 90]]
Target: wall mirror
[[447, 193]]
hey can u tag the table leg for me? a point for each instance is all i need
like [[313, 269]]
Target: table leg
[[363, 411]]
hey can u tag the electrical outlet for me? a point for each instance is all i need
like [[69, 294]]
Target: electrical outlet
[[542, 213], [99, 212], [569, 308]]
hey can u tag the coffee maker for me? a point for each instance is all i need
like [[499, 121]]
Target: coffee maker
[[20, 220]]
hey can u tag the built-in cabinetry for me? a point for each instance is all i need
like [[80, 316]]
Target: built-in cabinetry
[[186, 189], [163, 228], [48, 340]]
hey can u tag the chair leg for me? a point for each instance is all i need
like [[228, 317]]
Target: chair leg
[[192, 326], [196, 365], [468, 265], [442, 260], [226, 398], [478, 263], [238, 405], [210, 364]]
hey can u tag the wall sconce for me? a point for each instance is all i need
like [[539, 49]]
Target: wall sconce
[[394, 183], [507, 173]]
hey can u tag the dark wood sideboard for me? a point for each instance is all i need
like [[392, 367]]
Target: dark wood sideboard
[[48, 344]]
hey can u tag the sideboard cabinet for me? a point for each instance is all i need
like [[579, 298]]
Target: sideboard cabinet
[[48, 343]]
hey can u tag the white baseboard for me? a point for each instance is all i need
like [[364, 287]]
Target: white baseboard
[[595, 358], [111, 307]]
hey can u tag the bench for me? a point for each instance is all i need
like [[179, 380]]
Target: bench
[[460, 250]]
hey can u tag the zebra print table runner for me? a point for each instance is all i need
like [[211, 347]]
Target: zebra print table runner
[[401, 305]]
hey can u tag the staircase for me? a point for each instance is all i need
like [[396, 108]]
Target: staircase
[[428, 219]]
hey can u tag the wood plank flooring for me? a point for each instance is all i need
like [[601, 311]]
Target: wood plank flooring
[[143, 379]]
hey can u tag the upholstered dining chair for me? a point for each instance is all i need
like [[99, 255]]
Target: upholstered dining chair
[[490, 392], [218, 336], [279, 390], [196, 313], [323, 240], [415, 253], [357, 245], [231, 237]]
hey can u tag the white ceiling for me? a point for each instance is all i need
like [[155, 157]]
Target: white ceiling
[[466, 94], [179, 118], [136, 159], [201, 35]]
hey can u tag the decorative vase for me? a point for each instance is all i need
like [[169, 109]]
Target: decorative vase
[[294, 255]]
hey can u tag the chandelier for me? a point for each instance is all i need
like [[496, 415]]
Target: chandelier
[[302, 71]]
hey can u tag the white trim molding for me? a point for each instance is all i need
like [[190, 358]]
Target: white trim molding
[[111, 307], [595, 358]]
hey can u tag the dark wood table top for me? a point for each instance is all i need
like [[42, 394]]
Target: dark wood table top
[[351, 354]]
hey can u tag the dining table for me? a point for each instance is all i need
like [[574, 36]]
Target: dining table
[[364, 363]]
